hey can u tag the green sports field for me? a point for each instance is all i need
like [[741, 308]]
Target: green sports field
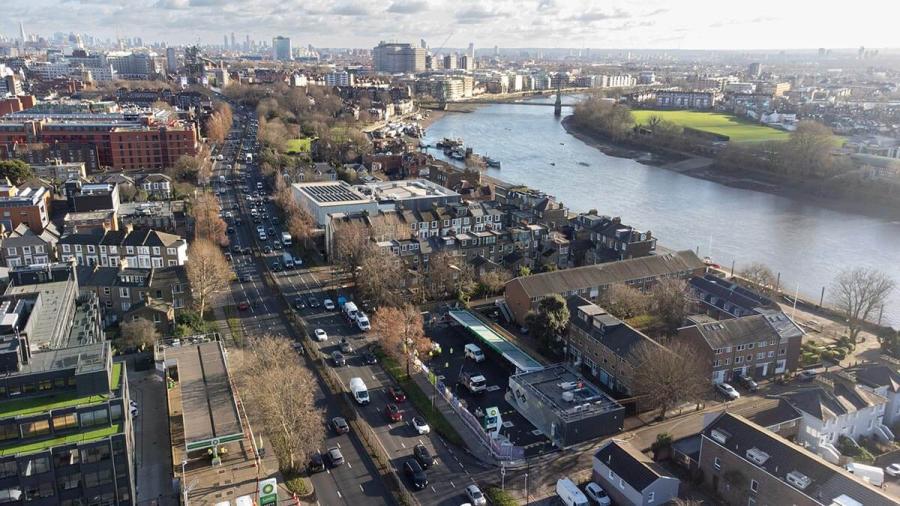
[[294, 146], [736, 129]]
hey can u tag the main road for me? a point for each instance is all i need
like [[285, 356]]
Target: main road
[[356, 482], [357, 479]]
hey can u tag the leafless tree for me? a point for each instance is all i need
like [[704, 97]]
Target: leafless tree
[[444, 275], [670, 303], [208, 222], [664, 377], [401, 333], [351, 243], [858, 293], [282, 392], [623, 301], [808, 152], [760, 276], [381, 277], [208, 272], [494, 281], [139, 333]]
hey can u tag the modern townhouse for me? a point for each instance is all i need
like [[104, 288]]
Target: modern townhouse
[[720, 298], [884, 380], [835, 407], [158, 186], [125, 293], [25, 205], [745, 464], [757, 346], [602, 345]]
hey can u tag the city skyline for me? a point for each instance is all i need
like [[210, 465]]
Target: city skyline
[[687, 24]]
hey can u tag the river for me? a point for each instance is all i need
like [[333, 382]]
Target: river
[[806, 243]]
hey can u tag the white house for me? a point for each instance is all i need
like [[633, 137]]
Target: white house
[[837, 407], [630, 477], [885, 381]]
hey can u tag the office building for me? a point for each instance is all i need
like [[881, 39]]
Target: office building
[[121, 140], [340, 78], [171, 61], [450, 61], [467, 62], [281, 48], [398, 58], [322, 199], [28, 206], [754, 70]]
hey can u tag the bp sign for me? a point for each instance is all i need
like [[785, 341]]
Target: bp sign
[[268, 491]]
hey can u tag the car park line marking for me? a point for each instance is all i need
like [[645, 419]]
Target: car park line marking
[[349, 465], [361, 489], [402, 444], [339, 445], [452, 485], [339, 494]]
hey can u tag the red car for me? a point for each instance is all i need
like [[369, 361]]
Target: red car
[[243, 306], [397, 394], [393, 413]]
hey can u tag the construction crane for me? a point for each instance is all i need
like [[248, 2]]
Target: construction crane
[[444, 43]]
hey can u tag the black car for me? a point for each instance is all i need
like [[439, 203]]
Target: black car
[[423, 456], [271, 231], [276, 267], [298, 303], [230, 230], [369, 358], [417, 477], [312, 302], [267, 250], [338, 358], [316, 463], [236, 248], [747, 382]]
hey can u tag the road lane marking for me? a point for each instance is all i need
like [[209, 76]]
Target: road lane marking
[[402, 444], [349, 465], [433, 490]]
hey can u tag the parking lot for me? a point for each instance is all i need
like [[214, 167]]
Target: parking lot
[[153, 461], [496, 370]]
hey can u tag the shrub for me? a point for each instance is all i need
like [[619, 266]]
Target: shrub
[[297, 485]]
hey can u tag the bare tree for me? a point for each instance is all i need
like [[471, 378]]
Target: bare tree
[[623, 301], [665, 377], [208, 222], [444, 275], [858, 293], [283, 393], [351, 244], [401, 332], [808, 152], [493, 281], [381, 277], [670, 303], [760, 276], [139, 333], [208, 272]]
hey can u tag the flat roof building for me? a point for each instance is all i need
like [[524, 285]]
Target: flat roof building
[[411, 194], [564, 406], [324, 198]]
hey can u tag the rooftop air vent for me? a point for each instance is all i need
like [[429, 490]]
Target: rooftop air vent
[[719, 436], [798, 479], [757, 456]]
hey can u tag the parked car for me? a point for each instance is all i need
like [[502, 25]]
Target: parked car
[[417, 477], [338, 359], [597, 494], [329, 304], [392, 411], [245, 278], [316, 463], [421, 453], [807, 375], [476, 498], [369, 358], [728, 391], [243, 305], [397, 394], [893, 470], [748, 383], [298, 303], [312, 302], [420, 425], [335, 457], [321, 335], [339, 425], [346, 347]]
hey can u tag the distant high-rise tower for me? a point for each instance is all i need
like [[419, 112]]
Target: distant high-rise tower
[[225, 41], [171, 61], [754, 70], [281, 48], [471, 51], [423, 44], [233, 43], [247, 45], [22, 36], [496, 51]]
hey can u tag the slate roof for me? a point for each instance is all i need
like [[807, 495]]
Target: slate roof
[[727, 291], [826, 402], [615, 335], [735, 331], [590, 276], [828, 481], [631, 465], [879, 376]]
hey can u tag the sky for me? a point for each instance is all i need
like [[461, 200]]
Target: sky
[[646, 24]]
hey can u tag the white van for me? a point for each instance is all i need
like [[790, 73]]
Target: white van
[[362, 321], [873, 475], [359, 391], [569, 493], [474, 352]]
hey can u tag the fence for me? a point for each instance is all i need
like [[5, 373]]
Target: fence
[[499, 449]]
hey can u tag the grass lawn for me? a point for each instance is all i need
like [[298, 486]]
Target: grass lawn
[[297, 146], [31, 405], [736, 129], [116, 376]]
